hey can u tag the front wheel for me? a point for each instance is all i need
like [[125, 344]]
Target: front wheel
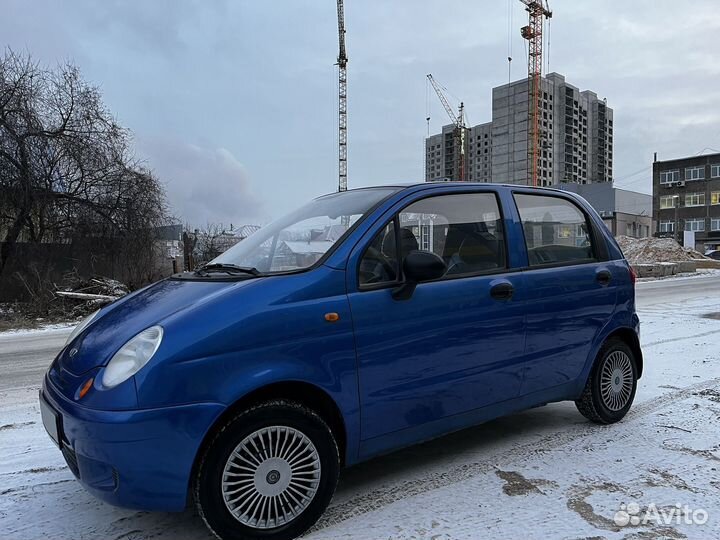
[[610, 389], [269, 473]]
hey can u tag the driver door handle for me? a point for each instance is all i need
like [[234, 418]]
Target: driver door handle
[[502, 291]]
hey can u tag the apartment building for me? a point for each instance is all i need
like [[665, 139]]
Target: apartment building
[[576, 138]]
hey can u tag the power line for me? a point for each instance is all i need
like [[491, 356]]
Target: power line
[[509, 49], [707, 148], [639, 171]]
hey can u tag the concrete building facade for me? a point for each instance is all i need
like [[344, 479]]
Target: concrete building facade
[[686, 197], [576, 131]]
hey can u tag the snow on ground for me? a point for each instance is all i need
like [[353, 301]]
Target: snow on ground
[[700, 273], [42, 329], [544, 473]]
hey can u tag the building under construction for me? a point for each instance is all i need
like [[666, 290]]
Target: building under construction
[[575, 132]]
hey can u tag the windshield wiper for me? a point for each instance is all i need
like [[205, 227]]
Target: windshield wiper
[[227, 268]]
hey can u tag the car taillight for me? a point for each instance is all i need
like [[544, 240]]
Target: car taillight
[[633, 276]]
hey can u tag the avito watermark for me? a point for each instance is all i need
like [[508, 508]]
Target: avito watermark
[[632, 514]]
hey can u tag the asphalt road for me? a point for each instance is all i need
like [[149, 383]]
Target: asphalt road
[[433, 490], [25, 357]]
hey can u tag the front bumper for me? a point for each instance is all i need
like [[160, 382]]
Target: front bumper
[[139, 459]]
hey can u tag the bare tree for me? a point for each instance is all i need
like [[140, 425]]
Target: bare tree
[[205, 243], [66, 166]]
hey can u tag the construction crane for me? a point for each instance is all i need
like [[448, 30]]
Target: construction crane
[[342, 100], [459, 133], [533, 32]]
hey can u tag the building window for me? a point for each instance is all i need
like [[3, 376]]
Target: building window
[[695, 173], [714, 171], [695, 199], [667, 226], [695, 224], [668, 201], [715, 224], [667, 177], [715, 197]]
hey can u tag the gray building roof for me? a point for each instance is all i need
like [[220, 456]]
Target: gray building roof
[[607, 199]]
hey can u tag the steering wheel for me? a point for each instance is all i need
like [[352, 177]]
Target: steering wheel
[[384, 262]]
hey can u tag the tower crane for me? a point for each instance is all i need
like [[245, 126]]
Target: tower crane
[[459, 133], [537, 9], [342, 61]]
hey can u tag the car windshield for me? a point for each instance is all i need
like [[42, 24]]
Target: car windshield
[[299, 239]]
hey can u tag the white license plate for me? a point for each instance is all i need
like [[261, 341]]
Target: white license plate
[[50, 420]]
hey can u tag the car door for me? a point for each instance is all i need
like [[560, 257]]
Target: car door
[[571, 293], [455, 344]]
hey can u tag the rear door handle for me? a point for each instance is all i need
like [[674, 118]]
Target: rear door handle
[[603, 277], [502, 291]]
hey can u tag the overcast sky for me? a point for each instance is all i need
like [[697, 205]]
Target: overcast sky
[[234, 103]]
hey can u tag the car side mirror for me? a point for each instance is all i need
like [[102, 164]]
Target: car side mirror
[[419, 266]]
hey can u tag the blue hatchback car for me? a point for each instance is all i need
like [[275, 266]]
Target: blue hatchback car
[[363, 322]]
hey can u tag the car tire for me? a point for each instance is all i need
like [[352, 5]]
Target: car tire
[[280, 461], [611, 386]]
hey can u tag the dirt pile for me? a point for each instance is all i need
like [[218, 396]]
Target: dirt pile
[[655, 250], [696, 255]]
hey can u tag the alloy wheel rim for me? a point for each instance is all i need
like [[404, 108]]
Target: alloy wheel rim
[[616, 381], [271, 477]]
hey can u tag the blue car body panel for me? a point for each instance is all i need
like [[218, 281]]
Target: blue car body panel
[[398, 372]]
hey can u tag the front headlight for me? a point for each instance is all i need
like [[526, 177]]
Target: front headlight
[[132, 356], [82, 326]]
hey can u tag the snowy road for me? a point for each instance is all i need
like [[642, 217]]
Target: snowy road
[[542, 473]]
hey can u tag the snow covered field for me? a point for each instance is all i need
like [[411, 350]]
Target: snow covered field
[[544, 473]]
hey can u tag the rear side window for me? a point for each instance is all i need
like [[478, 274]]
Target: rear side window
[[556, 230], [465, 230]]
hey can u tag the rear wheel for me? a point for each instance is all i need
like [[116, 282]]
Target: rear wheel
[[610, 389], [269, 473]]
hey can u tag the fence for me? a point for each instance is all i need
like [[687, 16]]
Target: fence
[[87, 257]]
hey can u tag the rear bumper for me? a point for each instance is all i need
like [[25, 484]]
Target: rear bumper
[[139, 459]]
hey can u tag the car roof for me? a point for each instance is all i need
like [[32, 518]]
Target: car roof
[[404, 186]]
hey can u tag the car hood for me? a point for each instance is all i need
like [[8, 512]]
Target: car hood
[[123, 319]]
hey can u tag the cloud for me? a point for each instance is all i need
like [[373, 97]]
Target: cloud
[[253, 84], [203, 184]]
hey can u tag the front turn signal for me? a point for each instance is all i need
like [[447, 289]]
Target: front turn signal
[[85, 388]]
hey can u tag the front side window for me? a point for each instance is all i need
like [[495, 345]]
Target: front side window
[[379, 264], [298, 240], [465, 230], [695, 173], [556, 230]]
